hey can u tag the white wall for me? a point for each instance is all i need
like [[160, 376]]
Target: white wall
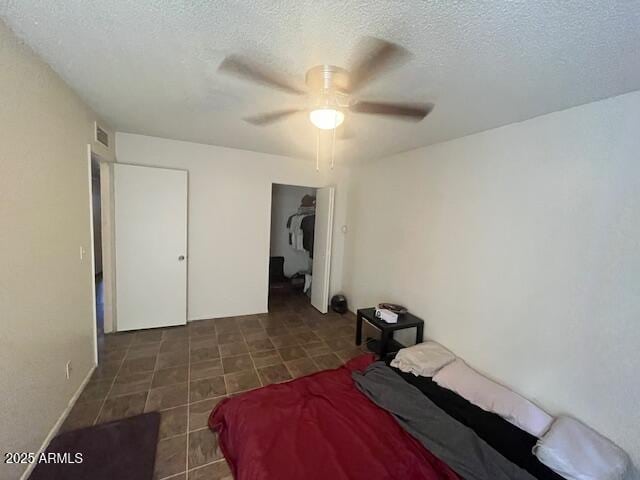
[[285, 201], [107, 244], [520, 247], [230, 217], [45, 290]]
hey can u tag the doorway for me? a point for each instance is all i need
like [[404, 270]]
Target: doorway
[[291, 248], [300, 246], [96, 216], [101, 246]]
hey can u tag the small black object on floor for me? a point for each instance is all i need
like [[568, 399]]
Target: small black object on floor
[[124, 450], [339, 304]]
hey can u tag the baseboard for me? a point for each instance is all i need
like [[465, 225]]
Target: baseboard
[[56, 427], [209, 317]]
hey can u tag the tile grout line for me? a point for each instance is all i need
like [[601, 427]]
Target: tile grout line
[[190, 403], [169, 437], [285, 363], [173, 475], [186, 474], [95, 421], [281, 361], [153, 375], [252, 360], [210, 463], [224, 378], [288, 329]]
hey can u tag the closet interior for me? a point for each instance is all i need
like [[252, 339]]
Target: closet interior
[[293, 210]]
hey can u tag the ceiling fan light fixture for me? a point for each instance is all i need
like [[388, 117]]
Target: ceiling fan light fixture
[[326, 118]]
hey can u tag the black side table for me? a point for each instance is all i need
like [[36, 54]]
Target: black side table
[[405, 320]]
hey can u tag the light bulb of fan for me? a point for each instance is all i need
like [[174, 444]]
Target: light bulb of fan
[[326, 118]]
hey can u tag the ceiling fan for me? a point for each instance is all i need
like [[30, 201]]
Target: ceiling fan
[[331, 90]]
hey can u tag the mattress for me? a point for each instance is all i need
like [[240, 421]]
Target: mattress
[[319, 427], [349, 423]]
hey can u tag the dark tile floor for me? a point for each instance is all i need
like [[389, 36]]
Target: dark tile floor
[[185, 371]]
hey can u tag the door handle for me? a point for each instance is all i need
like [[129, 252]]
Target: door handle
[[181, 258]]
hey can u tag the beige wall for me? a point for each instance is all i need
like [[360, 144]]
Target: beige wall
[[520, 247], [230, 217], [45, 290]]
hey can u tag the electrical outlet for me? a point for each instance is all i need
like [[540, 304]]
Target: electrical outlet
[[69, 369], [83, 252]]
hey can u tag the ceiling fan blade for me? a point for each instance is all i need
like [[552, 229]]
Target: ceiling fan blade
[[271, 117], [375, 56], [345, 132], [413, 111], [248, 70]]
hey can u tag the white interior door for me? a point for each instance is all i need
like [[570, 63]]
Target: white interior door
[[150, 246], [322, 248]]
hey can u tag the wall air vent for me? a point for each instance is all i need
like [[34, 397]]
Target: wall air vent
[[102, 136]]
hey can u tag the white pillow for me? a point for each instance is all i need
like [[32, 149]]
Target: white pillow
[[577, 452], [493, 397], [423, 359]]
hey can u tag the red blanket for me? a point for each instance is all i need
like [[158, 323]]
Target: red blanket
[[319, 427]]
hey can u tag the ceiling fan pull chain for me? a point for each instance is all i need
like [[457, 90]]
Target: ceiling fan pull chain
[[333, 140], [317, 150]]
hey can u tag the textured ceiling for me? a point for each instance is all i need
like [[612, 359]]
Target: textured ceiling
[[149, 67]]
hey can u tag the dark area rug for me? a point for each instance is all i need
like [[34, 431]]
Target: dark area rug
[[123, 450]]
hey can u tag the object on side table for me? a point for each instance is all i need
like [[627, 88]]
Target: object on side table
[[397, 309], [386, 315], [405, 320]]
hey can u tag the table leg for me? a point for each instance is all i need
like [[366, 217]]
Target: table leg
[[419, 332], [384, 343], [359, 329]]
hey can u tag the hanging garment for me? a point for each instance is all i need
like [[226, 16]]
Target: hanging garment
[[296, 232], [308, 226]]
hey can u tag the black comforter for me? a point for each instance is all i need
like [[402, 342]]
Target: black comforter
[[513, 443], [449, 440]]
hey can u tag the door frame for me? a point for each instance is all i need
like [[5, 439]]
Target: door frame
[[268, 243], [108, 246], [108, 267]]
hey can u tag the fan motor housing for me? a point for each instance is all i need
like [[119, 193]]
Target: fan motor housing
[[327, 77]]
